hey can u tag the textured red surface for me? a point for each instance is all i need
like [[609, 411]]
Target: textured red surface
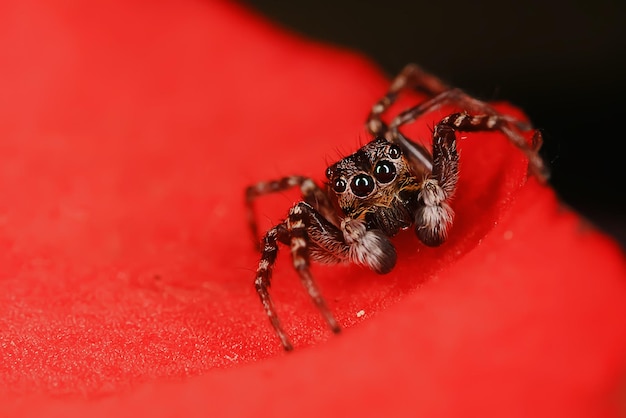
[[128, 131]]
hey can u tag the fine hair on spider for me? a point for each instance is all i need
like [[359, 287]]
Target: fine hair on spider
[[389, 184]]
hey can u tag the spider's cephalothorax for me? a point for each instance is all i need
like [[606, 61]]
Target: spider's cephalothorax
[[376, 187], [389, 184]]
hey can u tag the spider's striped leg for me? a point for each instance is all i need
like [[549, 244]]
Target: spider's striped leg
[[439, 93], [536, 164], [434, 217], [420, 159], [411, 77], [310, 236], [264, 275], [301, 218], [506, 124], [311, 193]]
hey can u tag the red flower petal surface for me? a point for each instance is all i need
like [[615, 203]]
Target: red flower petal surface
[[128, 132]]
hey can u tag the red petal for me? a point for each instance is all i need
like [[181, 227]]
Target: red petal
[[129, 132]]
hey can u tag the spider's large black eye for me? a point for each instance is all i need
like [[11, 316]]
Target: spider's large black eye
[[394, 152], [385, 171], [339, 186], [362, 185]]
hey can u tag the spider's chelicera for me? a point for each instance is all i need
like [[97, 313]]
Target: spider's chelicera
[[390, 184]]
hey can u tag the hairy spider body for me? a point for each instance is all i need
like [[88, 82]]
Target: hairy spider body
[[388, 185]]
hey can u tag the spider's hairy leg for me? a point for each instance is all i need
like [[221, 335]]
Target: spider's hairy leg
[[434, 217], [311, 193], [439, 93], [411, 77], [310, 237], [300, 219], [420, 159], [506, 124], [536, 164], [264, 275]]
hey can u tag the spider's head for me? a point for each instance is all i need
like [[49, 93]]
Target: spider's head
[[372, 176]]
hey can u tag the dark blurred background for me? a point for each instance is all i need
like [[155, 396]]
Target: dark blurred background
[[563, 62]]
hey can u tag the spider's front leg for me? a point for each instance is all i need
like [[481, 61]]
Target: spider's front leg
[[311, 193], [440, 94], [434, 216], [296, 231], [505, 124], [411, 77], [269, 252], [312, 237]]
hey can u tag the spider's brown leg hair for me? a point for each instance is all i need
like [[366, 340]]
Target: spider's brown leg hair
[[434, 217], [299, 220], [536, 164], [304, 227], [537, 141], [411, 77], [311, 194], [420, 159], [414, 77], [507, 125], [264, 275]]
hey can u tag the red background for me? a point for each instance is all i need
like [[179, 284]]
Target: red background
[[128, 132]]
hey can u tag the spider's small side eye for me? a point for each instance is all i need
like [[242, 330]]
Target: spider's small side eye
[[339, 186], [385, 171], [394, 152], [329, 173], [362, 185]]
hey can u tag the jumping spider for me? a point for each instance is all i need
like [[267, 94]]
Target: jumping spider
[[390, 184]]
